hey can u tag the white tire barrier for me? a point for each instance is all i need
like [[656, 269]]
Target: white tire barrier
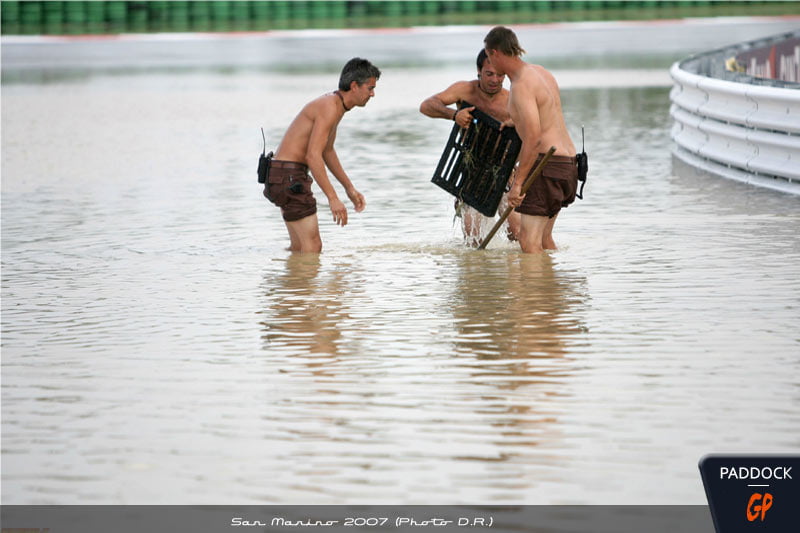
[[745, 131]]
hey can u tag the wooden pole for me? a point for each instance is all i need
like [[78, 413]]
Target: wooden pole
[[525, 186]]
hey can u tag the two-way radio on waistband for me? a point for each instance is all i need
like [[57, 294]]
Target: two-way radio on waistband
[[263, 160], [583, 165]]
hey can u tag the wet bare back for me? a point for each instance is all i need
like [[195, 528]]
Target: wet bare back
[[543, 122], [294, 146]]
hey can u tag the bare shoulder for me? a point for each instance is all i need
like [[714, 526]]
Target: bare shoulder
[[322, 106], [545, 75], [460, 90], [525, 85], [321, 103], [464, 87]]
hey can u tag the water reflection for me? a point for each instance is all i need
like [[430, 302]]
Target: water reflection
[[517, 317], [304, 310], [512, 306]]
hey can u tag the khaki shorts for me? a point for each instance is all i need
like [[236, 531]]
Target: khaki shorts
[[553, 189], [288, 186]]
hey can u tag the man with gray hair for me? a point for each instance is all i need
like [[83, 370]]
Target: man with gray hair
[[308, 146]]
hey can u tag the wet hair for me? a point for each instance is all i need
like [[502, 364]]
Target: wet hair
[[481, 59], [357, 70], [504, 40]]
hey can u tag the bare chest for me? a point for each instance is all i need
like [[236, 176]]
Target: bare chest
[[496, 107]]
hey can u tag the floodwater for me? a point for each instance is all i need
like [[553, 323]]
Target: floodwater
[[159, 345]]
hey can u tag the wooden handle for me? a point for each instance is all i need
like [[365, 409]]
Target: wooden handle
[[525, 186]]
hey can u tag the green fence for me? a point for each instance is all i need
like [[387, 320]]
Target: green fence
[[104, 17]]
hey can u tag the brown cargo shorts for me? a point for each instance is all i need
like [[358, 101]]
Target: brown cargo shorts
[[288, 186], [553, 189]]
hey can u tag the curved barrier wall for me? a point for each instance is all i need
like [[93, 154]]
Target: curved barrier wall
[[734, 125]]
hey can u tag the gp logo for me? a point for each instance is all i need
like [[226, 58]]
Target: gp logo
[[758, 506], [752, 493]]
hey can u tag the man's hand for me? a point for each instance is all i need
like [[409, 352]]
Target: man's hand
[[515, 195], [357, 198], [508, 123], [339, 212], [464, 116]]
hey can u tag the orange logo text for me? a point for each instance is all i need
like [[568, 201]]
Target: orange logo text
[[758, 506]]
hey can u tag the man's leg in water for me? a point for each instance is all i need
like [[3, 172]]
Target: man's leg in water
[[304, 235], [547, 238], [531, 233], [471, 221], [513, 222]]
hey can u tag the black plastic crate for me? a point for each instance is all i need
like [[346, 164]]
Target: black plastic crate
[[477, 162]]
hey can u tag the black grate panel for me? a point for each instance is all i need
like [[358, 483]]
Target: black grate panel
[[477, 162]]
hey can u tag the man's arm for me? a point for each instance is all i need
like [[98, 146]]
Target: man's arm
[[525, 114], [331, 159], [436, 106], [324, 124]]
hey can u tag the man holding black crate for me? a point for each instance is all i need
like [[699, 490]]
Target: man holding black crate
[[488, 95]]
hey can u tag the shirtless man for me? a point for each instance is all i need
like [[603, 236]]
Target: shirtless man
[[535, 107], [488, 95], [308, 145]]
